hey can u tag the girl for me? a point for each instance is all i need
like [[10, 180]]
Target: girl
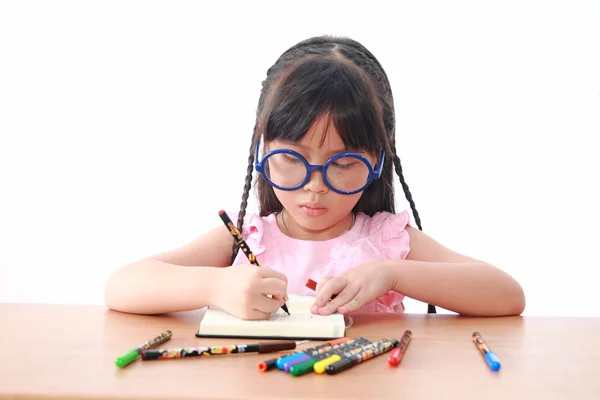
[[324, 149]]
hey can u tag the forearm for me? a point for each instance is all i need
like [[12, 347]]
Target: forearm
[[154, 287], [475, 289]]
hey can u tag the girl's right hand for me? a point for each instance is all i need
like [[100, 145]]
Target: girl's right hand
[[241, 290]]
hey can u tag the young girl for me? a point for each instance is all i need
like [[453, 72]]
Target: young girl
[[324, 149]]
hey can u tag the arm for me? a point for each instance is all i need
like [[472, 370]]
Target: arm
[[431, 273], [177, 280], [437, 275]]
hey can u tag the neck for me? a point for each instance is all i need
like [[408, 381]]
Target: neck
[[289, 227]]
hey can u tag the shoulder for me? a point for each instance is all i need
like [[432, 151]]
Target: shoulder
[[425, 248], [258, 231], [254, 223], [387, 232], [385, 224]]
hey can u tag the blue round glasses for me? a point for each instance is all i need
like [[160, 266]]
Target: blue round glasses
[[344, 173]]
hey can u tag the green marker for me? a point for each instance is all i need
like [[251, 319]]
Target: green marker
[[133, 354], [307, 366], [303, 368]]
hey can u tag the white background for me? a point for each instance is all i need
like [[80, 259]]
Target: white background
[[119, 119]]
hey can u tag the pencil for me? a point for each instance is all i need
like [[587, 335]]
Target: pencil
[[239, 239]]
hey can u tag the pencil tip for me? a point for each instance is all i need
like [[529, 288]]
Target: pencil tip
[[284, 307]]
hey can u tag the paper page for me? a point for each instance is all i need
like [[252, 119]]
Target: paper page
[[300, 322]]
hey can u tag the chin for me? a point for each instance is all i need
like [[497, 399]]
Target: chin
[[313, 223]]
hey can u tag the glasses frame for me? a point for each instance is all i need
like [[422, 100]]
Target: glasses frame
[[374, 174]]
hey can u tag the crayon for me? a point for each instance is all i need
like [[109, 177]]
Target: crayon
[[381, 347], [280, 362], [133, 354], [490, 357], [239, 239], [268, 347], [396, 355]]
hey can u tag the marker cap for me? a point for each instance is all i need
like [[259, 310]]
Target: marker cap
[[394, 358], [127, 358], [493, 361]]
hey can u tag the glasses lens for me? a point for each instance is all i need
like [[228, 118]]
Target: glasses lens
[[285, 170], [347, 174]]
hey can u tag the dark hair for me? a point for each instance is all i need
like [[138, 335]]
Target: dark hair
[[339, 78]]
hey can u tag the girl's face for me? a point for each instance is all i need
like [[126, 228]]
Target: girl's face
[[314, 211]]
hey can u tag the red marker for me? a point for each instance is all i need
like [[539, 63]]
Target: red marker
[[313, 285], [398, 352]]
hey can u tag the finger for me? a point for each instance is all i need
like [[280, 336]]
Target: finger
[[258, 315], [353, 305], [322, 283], [273, 286], [266, 304], [332, 286], [342, 299], [266, 272]]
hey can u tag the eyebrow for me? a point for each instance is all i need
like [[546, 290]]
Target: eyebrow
[[344, 149]]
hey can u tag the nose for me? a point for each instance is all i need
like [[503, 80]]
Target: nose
[[315, 183]]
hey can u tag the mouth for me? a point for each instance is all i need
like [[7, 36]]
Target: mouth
[[313, 209]]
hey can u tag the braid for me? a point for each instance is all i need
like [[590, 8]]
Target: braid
[[406, 191], [290, 55], [242, 213], [364, 59]]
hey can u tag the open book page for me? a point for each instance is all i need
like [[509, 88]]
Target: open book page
[[300, 324]]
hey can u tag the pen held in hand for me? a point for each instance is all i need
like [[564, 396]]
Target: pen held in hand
[[239, 240]]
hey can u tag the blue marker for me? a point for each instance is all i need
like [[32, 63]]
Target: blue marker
[[283, 360], [290, 360], [490, 357], [288, 364]]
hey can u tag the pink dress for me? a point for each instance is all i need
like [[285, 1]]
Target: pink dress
[[381, 237]]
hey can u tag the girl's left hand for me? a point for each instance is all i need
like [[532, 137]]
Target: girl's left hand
[[354, 288]]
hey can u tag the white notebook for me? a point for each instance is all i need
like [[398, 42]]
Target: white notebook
[[300, 324]]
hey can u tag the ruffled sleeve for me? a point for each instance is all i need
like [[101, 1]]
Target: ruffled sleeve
[[252, 230], [389, 231]]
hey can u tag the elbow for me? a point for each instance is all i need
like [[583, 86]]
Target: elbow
[[111, 297], [509, 297], [518, 303], [513, 303], [116, 295], [509, 302]]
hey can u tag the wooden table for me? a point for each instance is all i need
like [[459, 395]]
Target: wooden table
[[69, 352]]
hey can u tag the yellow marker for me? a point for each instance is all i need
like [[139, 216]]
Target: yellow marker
[[320, 366]]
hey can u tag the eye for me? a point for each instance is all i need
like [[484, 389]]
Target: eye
[[344, 164], [289, 158]]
